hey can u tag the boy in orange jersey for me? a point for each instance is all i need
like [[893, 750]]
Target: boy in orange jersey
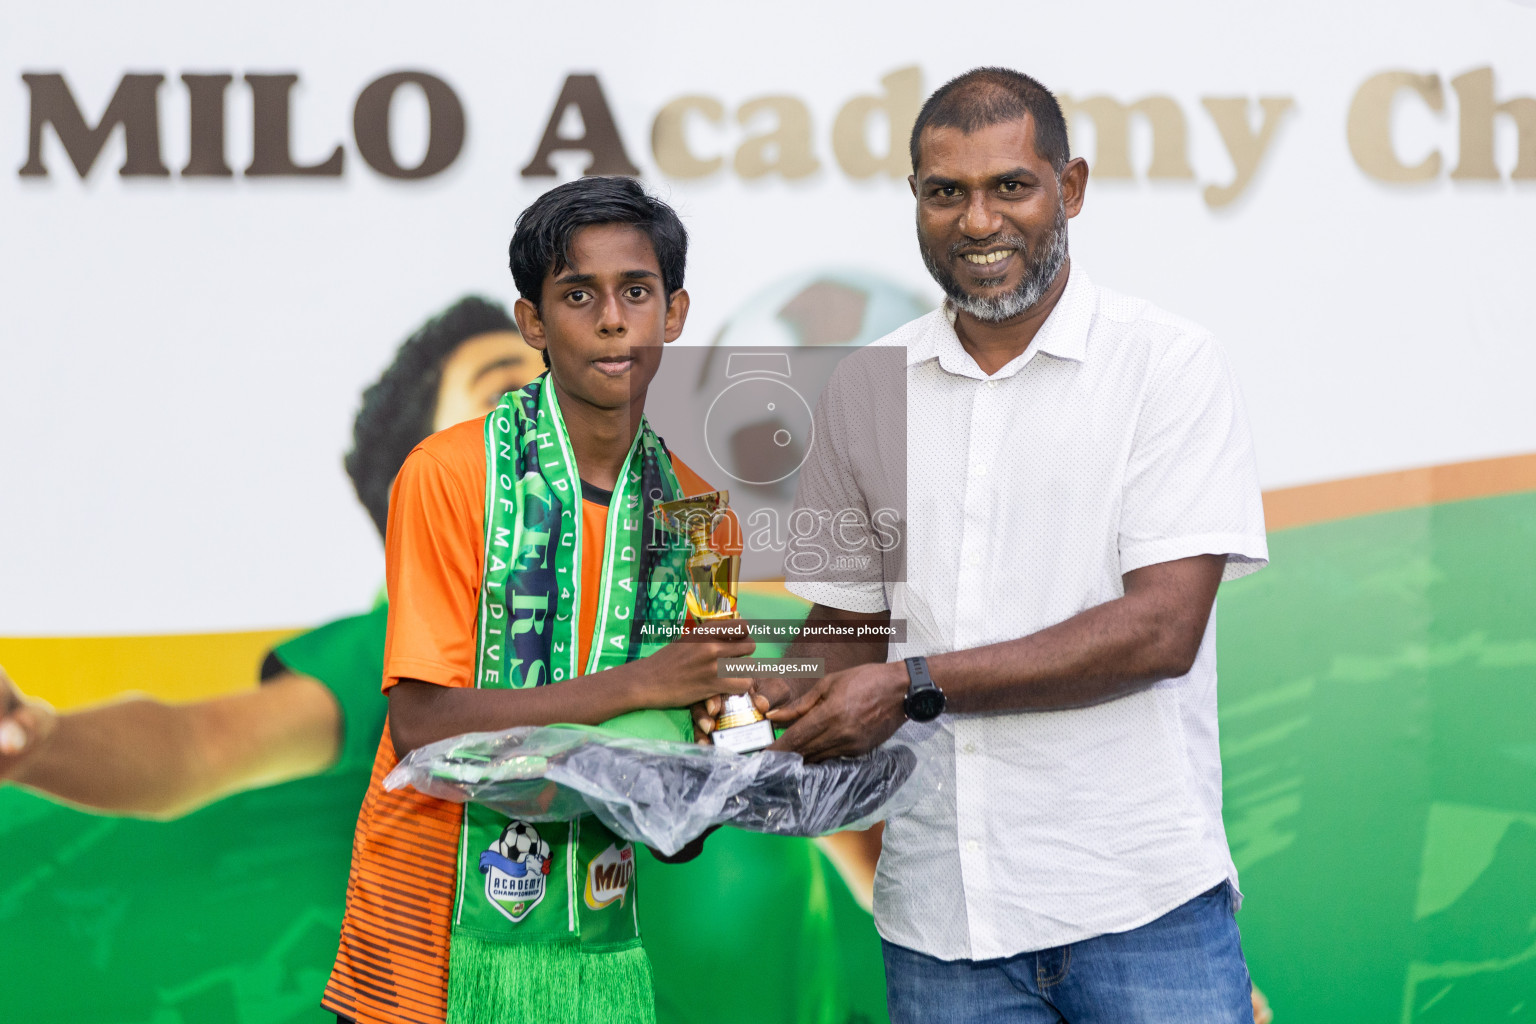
[[519, 574]]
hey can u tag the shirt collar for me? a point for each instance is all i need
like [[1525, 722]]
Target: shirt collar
[[1063, 335]]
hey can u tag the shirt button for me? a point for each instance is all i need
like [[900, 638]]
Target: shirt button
[[975, 558], [991, 383], [972, 845], [980, 471], [970, 748]]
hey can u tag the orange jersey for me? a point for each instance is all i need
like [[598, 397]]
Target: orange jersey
[[392, 964]]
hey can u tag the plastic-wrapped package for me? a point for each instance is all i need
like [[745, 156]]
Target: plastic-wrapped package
[[660, 793]]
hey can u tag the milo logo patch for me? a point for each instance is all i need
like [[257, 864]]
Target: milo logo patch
[[609, 876]]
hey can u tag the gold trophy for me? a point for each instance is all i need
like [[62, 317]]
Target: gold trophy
[[712, 597]]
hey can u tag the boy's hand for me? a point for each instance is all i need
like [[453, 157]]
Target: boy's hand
[[684, 672], [704, 714], [24, 725]]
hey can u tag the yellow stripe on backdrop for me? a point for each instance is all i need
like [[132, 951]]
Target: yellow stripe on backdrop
[[73, 671]]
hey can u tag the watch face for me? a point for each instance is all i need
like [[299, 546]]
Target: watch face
[[925, 705]]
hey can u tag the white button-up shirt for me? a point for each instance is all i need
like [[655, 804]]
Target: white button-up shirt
[[1115, 441]]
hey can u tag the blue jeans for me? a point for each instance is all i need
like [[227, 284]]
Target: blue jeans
[[1186, 967]]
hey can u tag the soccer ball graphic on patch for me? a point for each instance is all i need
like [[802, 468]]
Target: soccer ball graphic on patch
[[520, 842], [516, 868]]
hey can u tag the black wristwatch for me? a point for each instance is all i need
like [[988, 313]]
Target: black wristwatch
[[924, 701]]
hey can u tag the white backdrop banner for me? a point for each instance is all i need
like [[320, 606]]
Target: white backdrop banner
[[218, 224]]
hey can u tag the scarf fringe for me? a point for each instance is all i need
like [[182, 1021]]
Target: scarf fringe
[[548, 983], [616, 988]]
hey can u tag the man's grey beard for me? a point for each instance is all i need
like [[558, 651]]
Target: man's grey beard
[[1040, 270]]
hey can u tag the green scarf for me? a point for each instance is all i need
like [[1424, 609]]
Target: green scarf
[[545, 927]]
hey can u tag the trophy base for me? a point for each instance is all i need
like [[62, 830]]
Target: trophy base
[[744, 739]]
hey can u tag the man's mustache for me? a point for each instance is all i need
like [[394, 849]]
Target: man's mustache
[[958, 249]]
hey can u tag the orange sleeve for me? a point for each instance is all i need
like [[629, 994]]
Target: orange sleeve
[[433, 559]]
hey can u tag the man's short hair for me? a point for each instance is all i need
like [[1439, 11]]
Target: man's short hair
[[398, 408], [986, 96], [541, 241]]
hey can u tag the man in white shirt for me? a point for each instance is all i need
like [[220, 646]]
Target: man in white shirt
[[1079, 479]]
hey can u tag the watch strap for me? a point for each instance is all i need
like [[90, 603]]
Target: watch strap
[[917, 674]]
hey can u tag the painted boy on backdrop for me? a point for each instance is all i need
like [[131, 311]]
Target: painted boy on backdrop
[[170, 918]]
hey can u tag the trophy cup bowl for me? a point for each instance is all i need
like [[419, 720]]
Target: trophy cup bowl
[[711, 597]]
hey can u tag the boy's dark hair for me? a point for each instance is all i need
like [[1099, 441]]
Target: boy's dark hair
[[399, 407], [986, 96], [541, 240]]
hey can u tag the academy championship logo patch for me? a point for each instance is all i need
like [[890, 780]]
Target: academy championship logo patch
[[609, 875], [516, 870]]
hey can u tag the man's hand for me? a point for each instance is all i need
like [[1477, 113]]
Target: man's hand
[[775, 691], [24, 724], [778, 691], [845, 714]]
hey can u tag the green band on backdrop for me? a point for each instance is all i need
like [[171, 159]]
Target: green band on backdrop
[[1380, 779]]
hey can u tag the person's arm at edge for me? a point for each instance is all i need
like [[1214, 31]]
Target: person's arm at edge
[[1108, 651], [144, 758]]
